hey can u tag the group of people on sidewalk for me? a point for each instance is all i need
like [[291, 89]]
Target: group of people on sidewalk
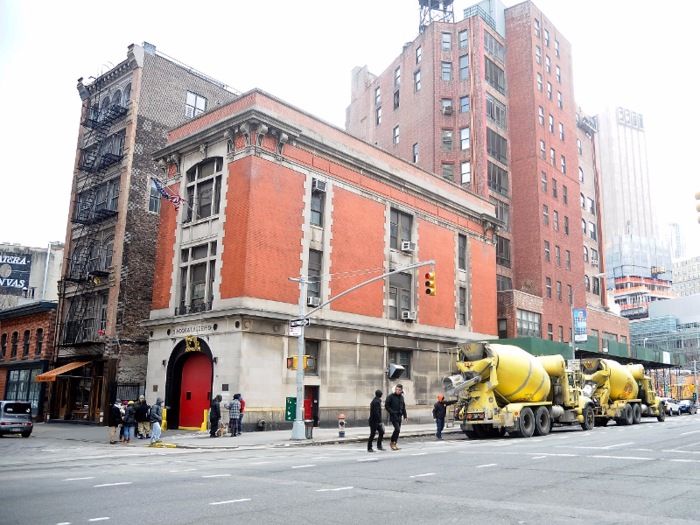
[[396, 408], [137, 419], [236, 409]]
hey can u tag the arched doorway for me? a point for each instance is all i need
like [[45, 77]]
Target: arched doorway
[[188, 385]]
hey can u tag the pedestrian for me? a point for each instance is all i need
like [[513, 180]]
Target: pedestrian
[[240, 419], [156, 420], [122, 409], [214, 415], [144, 428], [397, 409], [234, 415], [129, 421], [115, 419], [375, 422], [439, 413]]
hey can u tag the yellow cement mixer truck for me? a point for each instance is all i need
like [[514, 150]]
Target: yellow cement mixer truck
[[502, 388], [621, 393]]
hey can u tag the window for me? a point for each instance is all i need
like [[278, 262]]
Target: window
[[318, 199], [591, 205], [583, 202], [568, 292], [578, 143], [495, 76], [503, 283], [466, 172], [194, 105], [104, 304], [549, 91], [554, 188], [3, 346], [496, 111], [377, 96], [566, 225], [315, 266], [556, 47], [546, 251], [541, 115], [551, 124], [127, 94], [447, 71], [464, 104], [641, 123], [396, 135], [583, 225], [463, 39], [543, 152], [403, 358], [558, 74], [565, 195], [594, 257], [588, 284], [558, 290], [154, 198], [400, 228], [548, 287], [537, 28], [447, 142], [539, 81], [397, 99], [545, 214], [13, 353], [560, 102], [496, 146], [557, 257], [592, 230], [544, 181], [204, 189], [553, 157], [556, 220], [464, 139], [568, 260], [446, 103], [462, 251], [596, 286], [563, 164], [197, 274], [418, 55], [502, 213], [494, 47], [25, 349], [416, 80], [463, 67], [498, 179], [397, 77], [529, 324], [462, 306], [538, 54], [447, 42], [550, 334], [548, 64], [379, 116], [585, 253], [546, 38], [502, 251], [448, 172], [561, 131], [415, 153], [399, 294]]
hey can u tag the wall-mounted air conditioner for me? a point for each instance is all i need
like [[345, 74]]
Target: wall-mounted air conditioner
[[409, 316], [313, 301], [408, 246], [319, 185]]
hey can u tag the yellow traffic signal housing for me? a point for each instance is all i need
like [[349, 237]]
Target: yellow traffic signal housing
[[309, 362], [292, 363], [430, 283]]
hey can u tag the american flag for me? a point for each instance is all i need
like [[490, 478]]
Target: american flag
[[175, 199]]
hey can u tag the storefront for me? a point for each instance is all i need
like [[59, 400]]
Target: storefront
[[20, 385]]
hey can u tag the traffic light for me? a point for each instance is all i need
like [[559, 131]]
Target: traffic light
[[430, 283], [292, 363], [309, 362]]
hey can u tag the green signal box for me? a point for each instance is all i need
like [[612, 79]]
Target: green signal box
[[290, 410], [695, 396]]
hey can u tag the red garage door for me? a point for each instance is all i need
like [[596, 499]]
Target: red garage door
[[195, 390]]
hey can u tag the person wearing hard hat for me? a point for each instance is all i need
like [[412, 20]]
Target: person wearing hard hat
[[439, 413]]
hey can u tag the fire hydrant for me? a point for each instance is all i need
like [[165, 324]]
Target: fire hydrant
[[341, 425]]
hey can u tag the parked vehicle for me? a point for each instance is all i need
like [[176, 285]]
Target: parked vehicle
[[688, 406], [16, 418], [672, 406]]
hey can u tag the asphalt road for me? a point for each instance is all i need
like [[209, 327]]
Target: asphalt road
[[640, 474]]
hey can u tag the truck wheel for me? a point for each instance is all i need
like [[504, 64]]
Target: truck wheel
[[661, 416], [589, 420], [628, 415], [636, 414], [526, 423], [543, 423]]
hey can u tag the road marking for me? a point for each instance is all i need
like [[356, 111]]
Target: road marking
[[367, 459], [420, 454], [78, 479], [642, 449], [185, 470], [623, 457], [422, 475], [303, 466], [685, 460], [113, 485], [229, 501], [598, 448], [540, 457], [218, 476], [489, 465], [334, 490], [262, 463], [99, 519], [64, 523], [693, 432]]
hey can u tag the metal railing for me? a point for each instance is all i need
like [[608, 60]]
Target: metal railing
[[476, 10], [193, 308]]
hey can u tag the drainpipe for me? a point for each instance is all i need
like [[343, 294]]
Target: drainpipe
[[46, 271]]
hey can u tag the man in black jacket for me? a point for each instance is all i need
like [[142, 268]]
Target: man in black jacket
[[214, 415], [397, 408], [375, 422], [439, 413], [115, 419], [144, 428]]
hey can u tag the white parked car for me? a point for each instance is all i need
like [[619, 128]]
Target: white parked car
[[672, 406]]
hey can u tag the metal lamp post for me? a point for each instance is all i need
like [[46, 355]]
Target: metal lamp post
[[572, 339]]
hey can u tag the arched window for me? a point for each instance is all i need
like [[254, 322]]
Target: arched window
[[583, 225], [104, 107], [127, 94], [25, 349], [117, 98], [585, 254], [13, 354], [3, 347], [588, 284]]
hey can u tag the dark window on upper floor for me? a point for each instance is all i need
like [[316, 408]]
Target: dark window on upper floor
[[463, 39], [400, 228], [318, 199], [462, 251], [194, 104], [400, 292], [446, 71], [496, 146], [503, 283], [204, 189], [502, 251], [494, 47], [315, 271], [498, 179], [495, 76], [464, 104], [496, 111], [446, 41]]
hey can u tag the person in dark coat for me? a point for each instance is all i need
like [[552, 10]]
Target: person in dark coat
[[129, 421], [156, 420], [397, 409], [144, 428], [214, 415], [115, 419], [375, 422], [439, 413]]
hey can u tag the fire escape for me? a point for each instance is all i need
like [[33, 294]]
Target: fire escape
[[85, 270]]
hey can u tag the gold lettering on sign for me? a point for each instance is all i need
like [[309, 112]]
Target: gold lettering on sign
[[192, 344]]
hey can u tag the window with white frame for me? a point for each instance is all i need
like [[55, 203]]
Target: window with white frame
[[466, 172], [197, 274], [204, 189], [194, 104], [463, 39], [396, 135], [529, 323], [464, 139], [377, 96], [400, 292], [318, 200], [154, 198], [400, 228]]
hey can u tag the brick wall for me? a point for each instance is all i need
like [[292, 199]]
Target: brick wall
[[607, 322], [165, 252], [512, 300], [43, 320]]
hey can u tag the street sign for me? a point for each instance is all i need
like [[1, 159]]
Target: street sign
[[299, 322], [295, 331], [580, 333], [290, 411]]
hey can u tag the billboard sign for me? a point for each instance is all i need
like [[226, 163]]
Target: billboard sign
[[14, 272], [580, 327]]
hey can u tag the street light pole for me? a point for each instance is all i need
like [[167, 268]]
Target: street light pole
[[298, 430], [572, 339]]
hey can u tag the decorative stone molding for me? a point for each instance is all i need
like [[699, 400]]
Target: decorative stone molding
[[230, 136], [260, 134], [246, 132], [488, 225], [282, 139], [203, 151]]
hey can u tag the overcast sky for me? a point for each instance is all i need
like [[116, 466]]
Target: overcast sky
[[637, 54]]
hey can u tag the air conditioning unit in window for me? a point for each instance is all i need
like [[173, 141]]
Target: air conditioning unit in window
[[319, 185], [447, 110], [313, 301], [408, 246], [409, 316]]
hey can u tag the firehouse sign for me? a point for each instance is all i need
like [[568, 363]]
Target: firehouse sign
[[14, 271]]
